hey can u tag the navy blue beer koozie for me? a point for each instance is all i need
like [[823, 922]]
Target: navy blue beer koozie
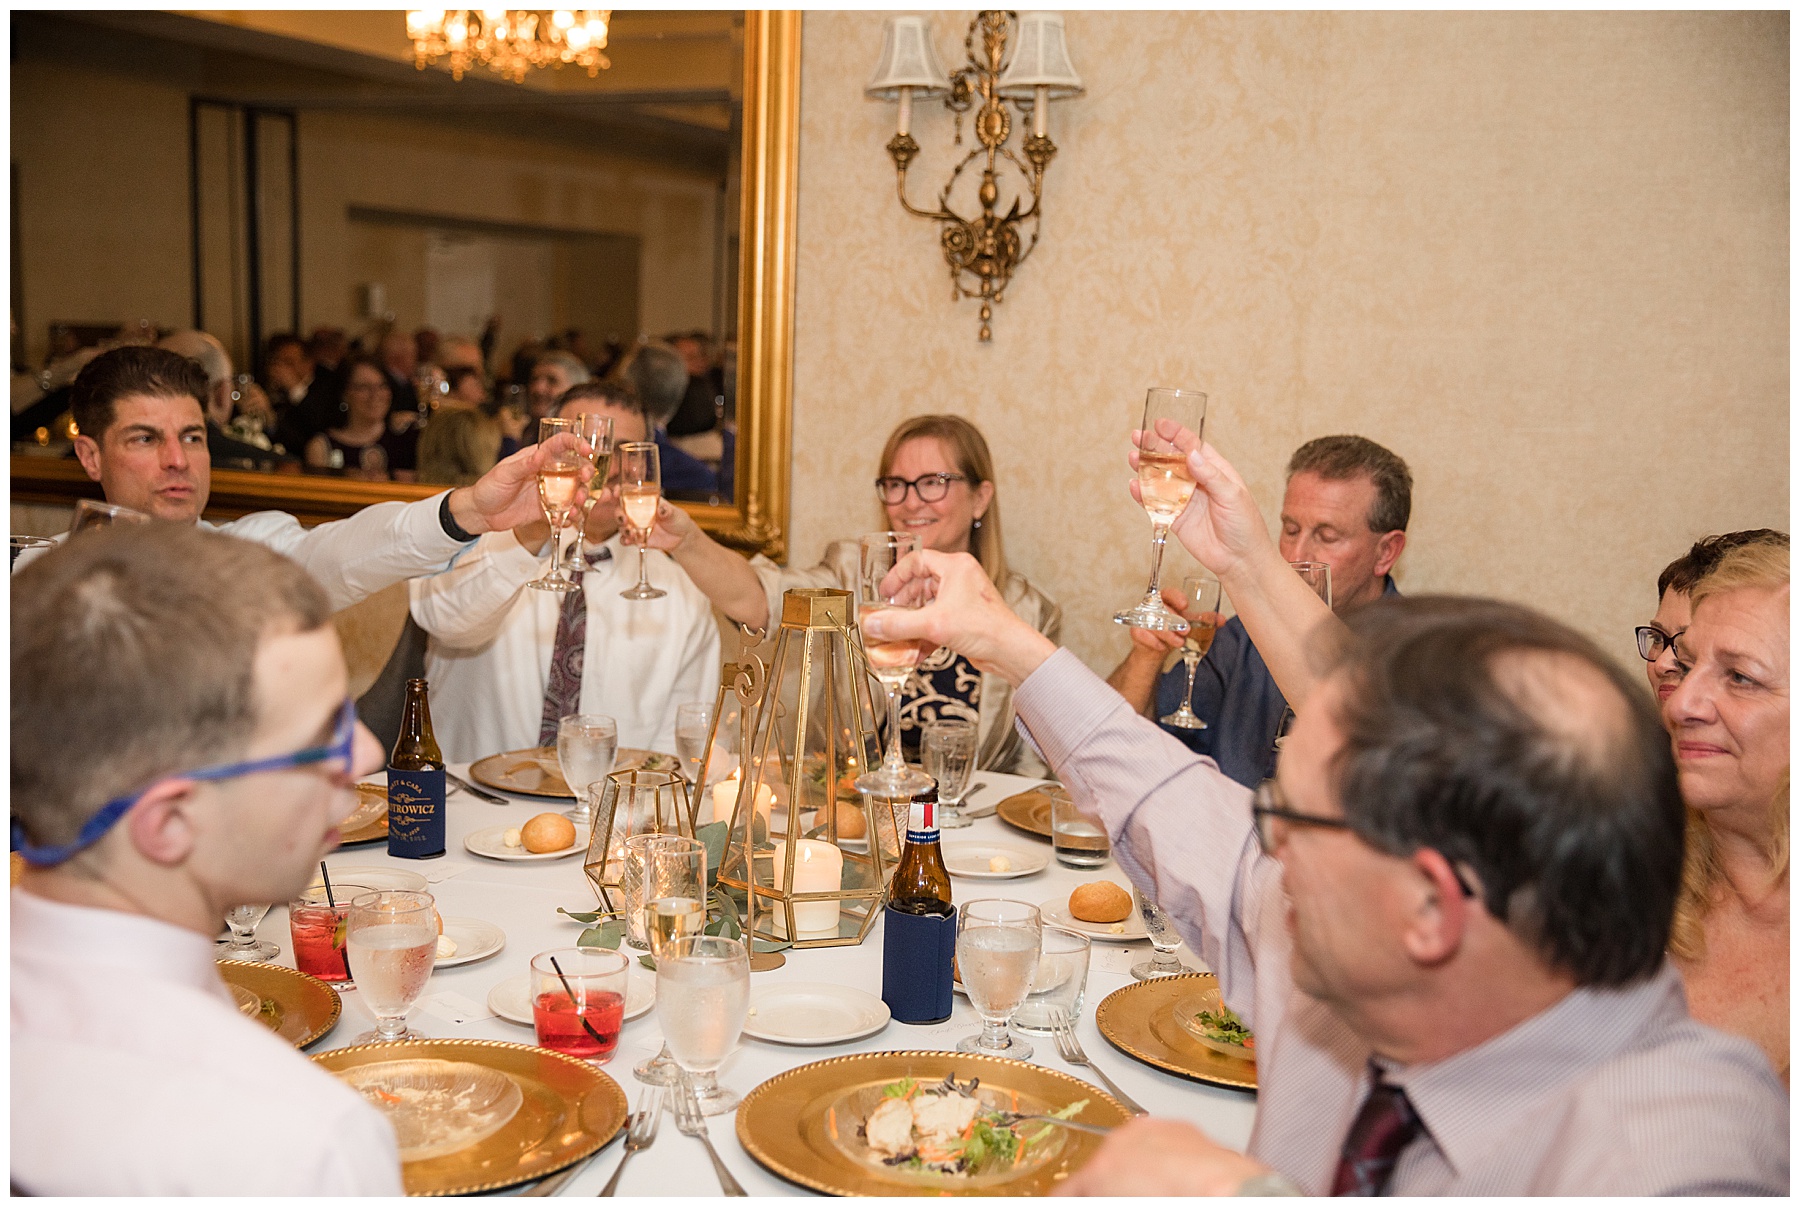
[[916, 957], [415, 813]]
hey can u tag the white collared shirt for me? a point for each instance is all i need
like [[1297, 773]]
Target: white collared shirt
[[133, 1072], [492, 637]]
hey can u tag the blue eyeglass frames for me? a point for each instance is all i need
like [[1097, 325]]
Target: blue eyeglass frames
[[343, 742]]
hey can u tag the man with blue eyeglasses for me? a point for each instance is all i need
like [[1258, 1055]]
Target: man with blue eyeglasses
[[181, 744]]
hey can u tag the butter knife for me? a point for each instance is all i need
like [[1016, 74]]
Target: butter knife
[[477, 793]]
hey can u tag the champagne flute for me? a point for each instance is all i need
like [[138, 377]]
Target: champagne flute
[[640, 489], [1165, 486], [243, 944], [891, 661], [1163, 938], [597, 430], [674, 907], [997, 948], [947, 750], [702, 997], [1202, 591], [558, 479], [391, 937], [586, 744], [693, 722]]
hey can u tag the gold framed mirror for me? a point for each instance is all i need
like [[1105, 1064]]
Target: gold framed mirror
[[756, 517]]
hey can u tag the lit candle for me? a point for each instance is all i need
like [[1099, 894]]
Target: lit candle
[[1040, 110], [818, 868], [725, 794], [905, 109]]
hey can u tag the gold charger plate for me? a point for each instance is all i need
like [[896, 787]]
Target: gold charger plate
[[299, 1008], [786, 1123], [1028, 811], [571, 1110], [1139, 1020], [535, 772], [370, 821]]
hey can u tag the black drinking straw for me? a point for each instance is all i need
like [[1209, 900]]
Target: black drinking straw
[[330, 900], [585, 1025]]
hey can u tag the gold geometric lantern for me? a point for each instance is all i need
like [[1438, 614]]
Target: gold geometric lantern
[[808, 855], [631, 802]]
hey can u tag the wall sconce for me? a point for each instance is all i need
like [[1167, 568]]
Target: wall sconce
[[989, 247]]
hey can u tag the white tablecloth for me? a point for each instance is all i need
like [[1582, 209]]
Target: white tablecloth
[[522, 899]]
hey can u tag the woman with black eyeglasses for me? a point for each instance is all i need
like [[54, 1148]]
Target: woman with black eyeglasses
[[1656, 640]]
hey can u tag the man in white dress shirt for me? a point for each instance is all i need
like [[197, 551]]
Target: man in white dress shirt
[[493, 638], [181, 744], [143, 438]]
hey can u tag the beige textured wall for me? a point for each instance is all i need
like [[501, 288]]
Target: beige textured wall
[[1541, 256]]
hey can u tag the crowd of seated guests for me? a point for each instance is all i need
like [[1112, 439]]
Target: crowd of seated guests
[[1491, 888]]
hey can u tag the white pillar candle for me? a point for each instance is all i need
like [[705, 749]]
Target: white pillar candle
[[818, 868], [905, 109], [725, 794]]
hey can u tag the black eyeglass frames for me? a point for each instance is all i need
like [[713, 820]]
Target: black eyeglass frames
[[930, 487], [1652, 641], [1268, 806]]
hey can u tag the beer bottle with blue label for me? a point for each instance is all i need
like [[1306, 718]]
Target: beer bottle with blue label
[[918, 946], [415, 777]]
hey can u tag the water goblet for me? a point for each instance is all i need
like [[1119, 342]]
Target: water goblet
[[243, 944], [674, 906], [1059, 983], [392, 940], [1162, 937], [586, 744], [947, 751], [890, 661], [702, 996], [693, 725], [997, 948], [1164, 487], [640, 491], [1202, 591], [558, 479]]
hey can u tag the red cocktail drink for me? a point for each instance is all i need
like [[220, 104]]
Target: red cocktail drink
[[559, 1023]]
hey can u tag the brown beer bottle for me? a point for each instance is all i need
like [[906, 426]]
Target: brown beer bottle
[[415, 778], [918, 949]]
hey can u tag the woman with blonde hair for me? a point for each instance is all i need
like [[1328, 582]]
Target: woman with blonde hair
[[1728, 718]]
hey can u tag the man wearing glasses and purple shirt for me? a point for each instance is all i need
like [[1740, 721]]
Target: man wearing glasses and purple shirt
[[1444, 919], [181, 744]]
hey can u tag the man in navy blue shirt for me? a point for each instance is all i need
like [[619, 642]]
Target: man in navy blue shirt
[[1347, 504], [661, 378]]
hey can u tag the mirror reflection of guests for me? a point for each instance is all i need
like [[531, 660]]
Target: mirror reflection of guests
[[365, 446]]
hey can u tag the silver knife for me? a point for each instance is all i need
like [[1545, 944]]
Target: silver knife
[[979, 811], [472, 790]]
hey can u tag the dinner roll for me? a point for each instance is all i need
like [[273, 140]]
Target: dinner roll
[[850, 820], [547, 832], [1101, 901]]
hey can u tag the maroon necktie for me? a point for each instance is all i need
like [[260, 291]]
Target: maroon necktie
[[1383, 1128], [562, 695]]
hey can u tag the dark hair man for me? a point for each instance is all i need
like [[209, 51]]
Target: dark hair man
[[1674, 586], [660, 377], [204, 686], [1347, 504], [1444, 919], [143, 438]]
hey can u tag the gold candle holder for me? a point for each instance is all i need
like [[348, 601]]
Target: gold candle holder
[[654, 802]]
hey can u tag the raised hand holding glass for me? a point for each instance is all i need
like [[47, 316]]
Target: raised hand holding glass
[[1164, 486]]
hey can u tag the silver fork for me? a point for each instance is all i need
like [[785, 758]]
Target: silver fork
[[642, 1134], [692, 1123], [1071, 1051]]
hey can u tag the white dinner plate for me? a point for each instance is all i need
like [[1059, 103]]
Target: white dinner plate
[[491, 843], [1056, 913], [474, 939], [809, 1013], [974, 860], [511, 999]]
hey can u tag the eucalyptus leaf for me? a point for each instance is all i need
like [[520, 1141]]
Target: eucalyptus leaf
[[607, 934], [766, 945], [647, 962], [589, 918]]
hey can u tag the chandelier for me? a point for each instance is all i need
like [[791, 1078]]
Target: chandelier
[[510, 42]]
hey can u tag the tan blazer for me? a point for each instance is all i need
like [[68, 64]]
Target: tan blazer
[[1001, 746]]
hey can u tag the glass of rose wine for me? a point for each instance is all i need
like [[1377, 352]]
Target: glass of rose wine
[[392, 940], [674, 907], [890, 661], [1202, 591], [640, 490], [1164, 486], [559, 477], [597, 430]]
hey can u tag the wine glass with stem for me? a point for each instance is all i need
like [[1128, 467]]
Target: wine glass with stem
[[243, 944], [890, 661], [559, 477], [640, 490], [997, 947], [1162, 937], [597, 430], [947, 752], [674, 907], [1202, 591], [1164, 487], [586, 744], [693, 722], [391, 937], [702, 997]]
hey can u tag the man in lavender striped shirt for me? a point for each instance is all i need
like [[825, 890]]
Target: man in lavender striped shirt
[[1444, 918]]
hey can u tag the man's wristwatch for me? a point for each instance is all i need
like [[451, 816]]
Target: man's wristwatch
[[1269, 1184], [452, 529]]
